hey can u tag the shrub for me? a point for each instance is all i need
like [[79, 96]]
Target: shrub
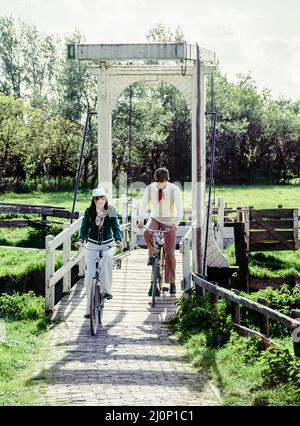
[[25, 306], [282, 300], [279, 366], [195, 316]]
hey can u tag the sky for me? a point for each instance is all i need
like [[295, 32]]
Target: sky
[[257, 36]]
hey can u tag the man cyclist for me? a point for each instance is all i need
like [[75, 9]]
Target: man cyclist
[[166, 213]]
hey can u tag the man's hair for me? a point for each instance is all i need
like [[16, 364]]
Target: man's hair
[[161, 174]]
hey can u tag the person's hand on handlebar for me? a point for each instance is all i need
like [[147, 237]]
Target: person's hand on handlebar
[[78, 244], [140, 225], [119, 245]]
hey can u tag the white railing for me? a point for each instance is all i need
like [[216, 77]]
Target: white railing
[[185, 250], [64, 238]]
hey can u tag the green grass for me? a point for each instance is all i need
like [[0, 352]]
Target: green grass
[[259, 196], [22, 328], [272, 264], [28, 237], [245, 373], [17, 354], [17, 263]]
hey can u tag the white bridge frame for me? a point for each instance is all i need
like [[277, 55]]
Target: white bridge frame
[[113, 78]]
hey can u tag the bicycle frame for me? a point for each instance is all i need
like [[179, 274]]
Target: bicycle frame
[[157, 266], [96, 297]]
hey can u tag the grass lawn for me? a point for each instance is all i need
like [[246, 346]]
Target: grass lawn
[[17, 354], [270, 264], [259, 196], [17, 263]]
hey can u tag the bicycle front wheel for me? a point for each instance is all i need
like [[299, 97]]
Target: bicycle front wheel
[[101, 308], [154, 280], [161, 268], [94, 308]]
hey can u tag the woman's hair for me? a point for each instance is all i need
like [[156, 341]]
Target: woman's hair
[[161, 174], [92, 208]]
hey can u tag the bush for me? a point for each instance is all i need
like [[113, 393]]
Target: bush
[[282, 300], [279, 366], [194, 317], [19, 307]]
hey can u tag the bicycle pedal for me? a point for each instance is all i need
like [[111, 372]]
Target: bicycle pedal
[[118, 263]]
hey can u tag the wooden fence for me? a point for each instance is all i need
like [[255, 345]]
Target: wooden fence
[[261, 308], [271, 229], [32, 209]]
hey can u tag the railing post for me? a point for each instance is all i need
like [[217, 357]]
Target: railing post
[[66, 258], [124, 221], [133, 220], [235, 309], [49, 272], [220, 233], [81, 267], [186, 261], [264, 324]]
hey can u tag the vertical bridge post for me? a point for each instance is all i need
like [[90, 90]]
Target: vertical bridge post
[[50, 261]]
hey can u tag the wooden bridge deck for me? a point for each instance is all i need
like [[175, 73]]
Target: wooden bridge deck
[[133, 360]]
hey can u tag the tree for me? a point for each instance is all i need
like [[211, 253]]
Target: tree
[[12, 131]]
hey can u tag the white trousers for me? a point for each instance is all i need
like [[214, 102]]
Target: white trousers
[[91, 252]]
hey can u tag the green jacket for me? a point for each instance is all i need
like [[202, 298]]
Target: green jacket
[[89, 230]]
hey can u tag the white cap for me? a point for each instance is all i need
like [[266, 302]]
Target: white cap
[[99, 192]]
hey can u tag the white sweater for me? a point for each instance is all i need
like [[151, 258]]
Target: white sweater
[[168, 211]]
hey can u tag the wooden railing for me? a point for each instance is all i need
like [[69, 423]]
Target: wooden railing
[[32, 209], [185, 250], [64, 238], [261, 308]]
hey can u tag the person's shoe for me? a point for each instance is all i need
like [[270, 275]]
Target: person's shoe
[[150, 261], [108, 296], [172, 288], [157, 292], [87, 316]]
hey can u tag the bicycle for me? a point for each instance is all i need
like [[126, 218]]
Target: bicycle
[[97, 298], [158, 261]]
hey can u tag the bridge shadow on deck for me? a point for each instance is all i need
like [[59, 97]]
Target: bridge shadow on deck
[[124, 353]]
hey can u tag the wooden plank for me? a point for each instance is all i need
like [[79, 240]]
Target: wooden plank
[[247, 332], [247, 227], [220, 232], [31, 205], [60, 238], [272, 231], [61, 272], [272, 213], [268, 246], [38, 211], [250, 304], [13, 223], [265, 236], [66, 258], [241, 256], [49, 272], [275, 224]]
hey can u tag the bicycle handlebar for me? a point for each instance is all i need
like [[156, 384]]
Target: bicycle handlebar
[[101, 249], [158, 230]]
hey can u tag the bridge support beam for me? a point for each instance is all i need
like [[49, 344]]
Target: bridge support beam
[[104, 131]]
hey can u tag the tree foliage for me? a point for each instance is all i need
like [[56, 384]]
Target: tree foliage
[[44, 99]]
